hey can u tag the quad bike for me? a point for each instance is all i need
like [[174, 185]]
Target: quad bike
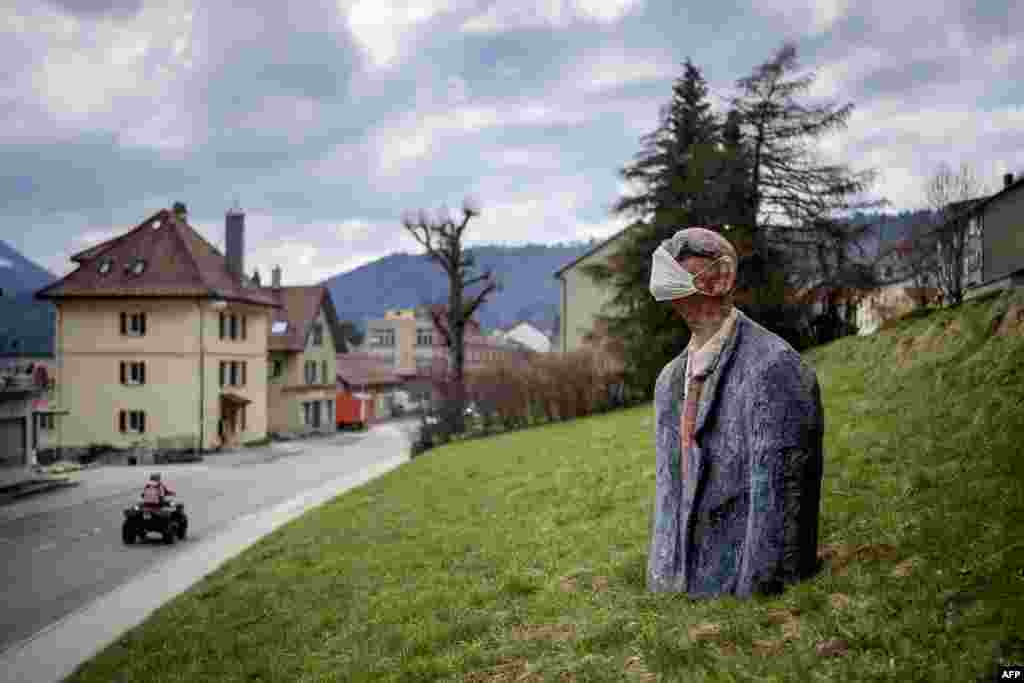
[[168, 520]]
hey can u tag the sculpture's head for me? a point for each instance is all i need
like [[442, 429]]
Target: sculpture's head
[[694, 270]]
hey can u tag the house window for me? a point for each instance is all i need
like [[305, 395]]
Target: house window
[[133, 324], [244, 319], [323, 372], [424, 338], [318, 335], [236, 371], [330, 410], [233, 326], [132, 421], [277, 367], [46, 421], [136, 267], [133, 372], [382, 337], [223, 372], [305, 414]]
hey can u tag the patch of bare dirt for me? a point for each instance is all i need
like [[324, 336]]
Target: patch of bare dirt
[[637, 669], [833, 647], [552, 632], [567, 584], [506, 671], [906, 567], [768, 648], [705, 631], [599, 584], [1010, 323], [782, 615], [840, 555], [839, 601]]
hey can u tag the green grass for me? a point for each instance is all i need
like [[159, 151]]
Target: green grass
[[522, 556]]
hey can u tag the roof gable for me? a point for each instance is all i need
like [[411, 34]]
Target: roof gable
[[300, 307], [591, 252], [162, 256]]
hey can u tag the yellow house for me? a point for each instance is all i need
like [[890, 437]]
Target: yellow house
[[161, 340], [582, 299], [302, 384]]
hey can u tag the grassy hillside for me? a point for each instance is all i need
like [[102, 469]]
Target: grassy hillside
[[522, 557]]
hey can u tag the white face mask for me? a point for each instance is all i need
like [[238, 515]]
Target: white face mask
[[669, 280]]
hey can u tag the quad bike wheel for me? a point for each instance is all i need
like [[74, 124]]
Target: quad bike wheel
[[128, 533], [171, 534], [182, 530]]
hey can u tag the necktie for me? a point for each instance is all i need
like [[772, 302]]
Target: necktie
[[688, 421]]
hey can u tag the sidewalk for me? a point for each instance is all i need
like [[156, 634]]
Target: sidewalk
[[19, 482]]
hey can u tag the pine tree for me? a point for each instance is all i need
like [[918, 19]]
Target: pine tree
[[681, 170], [799, 205]]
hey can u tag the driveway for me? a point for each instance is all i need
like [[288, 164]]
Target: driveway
[[63, 551]]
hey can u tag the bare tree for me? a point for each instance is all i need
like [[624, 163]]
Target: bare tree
[[952, 195], [442, 236]]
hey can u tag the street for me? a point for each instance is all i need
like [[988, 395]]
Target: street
[[64, 550]]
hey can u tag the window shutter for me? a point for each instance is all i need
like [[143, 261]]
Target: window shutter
[[222, 329], [323, 372], [223, 370], [142, 323], [142, 421], [142, 372], [233, 319], [124, 324], [124, 374], [243, 326], [123, 421], [245, 364]]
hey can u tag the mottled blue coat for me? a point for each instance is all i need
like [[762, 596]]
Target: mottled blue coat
[[746, 519]]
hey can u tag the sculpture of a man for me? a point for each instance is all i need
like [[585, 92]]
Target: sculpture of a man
[[738, 433]]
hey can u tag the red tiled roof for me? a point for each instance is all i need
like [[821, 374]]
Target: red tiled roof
[[299, 308], [360, 369], [178, 263]]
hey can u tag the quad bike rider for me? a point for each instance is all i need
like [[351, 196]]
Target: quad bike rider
[[155, 513]]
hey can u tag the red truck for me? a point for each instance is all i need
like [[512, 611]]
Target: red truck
[[353, 410]]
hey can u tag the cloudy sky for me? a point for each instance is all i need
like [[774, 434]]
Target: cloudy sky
[[326, 121]]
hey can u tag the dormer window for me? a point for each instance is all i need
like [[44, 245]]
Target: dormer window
[[279, 327], [157, 224], [105, 265], [137, 266]]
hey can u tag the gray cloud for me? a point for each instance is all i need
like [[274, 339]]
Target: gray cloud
[[285, 109], [99, 8]]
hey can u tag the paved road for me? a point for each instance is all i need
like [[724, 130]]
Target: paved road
[[63, 550]]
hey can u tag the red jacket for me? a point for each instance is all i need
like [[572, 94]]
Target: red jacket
[[162, 490]]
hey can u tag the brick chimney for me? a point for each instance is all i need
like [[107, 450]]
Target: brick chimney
[[275, 277], [180, 210], [1007, 179], [234, 240]]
